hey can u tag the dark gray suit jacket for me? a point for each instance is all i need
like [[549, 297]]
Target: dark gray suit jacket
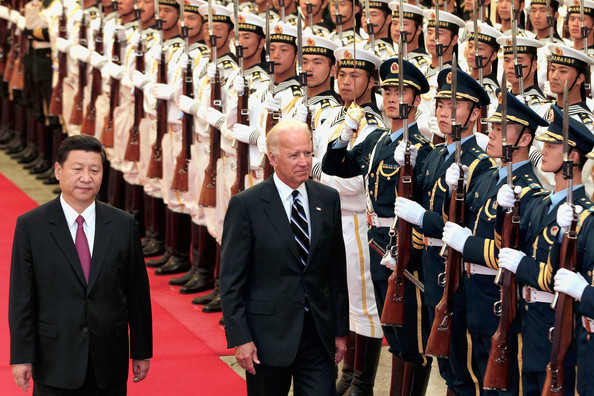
[[57, 321], [264, 284]]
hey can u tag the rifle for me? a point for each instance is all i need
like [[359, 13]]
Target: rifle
[[155, 168], [585, 32], [273, 117], [309, 12], [208, 194], [107, 135], [302, 75], [561, 334], [393, 312], [370, 26], [281, 5], [439, 52], [3, 42], [497, 373], [518, 68], [338, 16], [478, 60], [11, 57], [88, 126], [76, 116], [242, 118], [17, 81], [180, 174], [55, 107], [441, 331], [133, 146]]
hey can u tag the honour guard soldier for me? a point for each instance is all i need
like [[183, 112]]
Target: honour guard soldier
[[377, 27], [288, 13], [539, 20], [504, 16], [354, 85], [575, 23], [374, 159], [349, 13], [430, 215], [415, 36], [478, 241], [315, 10], [537, 260]]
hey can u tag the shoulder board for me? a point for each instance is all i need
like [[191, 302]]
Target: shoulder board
[[296, 90], [204, 50], [480, 155], [438, 145], [420, 138], [535, 186], [586, 203], [227, 64], [370, 117], [542, 194], [175, 45], [381, 46], [256, 75]]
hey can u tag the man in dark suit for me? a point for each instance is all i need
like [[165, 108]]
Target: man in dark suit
[[77, 282], [283, 274]]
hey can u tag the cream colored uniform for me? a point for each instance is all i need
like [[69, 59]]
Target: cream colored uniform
[[363, 312]]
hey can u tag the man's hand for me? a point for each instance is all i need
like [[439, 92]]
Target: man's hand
[[22, 375], [340, 345], [140, 369], [246, 355]]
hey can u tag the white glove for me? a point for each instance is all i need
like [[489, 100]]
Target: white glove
[[399, 153], [63, 44], [408, 210], [82, 53], [347, 133], [272, 104], [506, 198], [163, 91], [21, 23], [244, 133], [139, 79], [571, 283], [302, 113], [434, 126], [14, 16], [183, 61], [388, 261], [261, 143], [239, 84], [97, 60], [546, 89], [455, 236], [565, 215], [156, 49], [509, 259], [57, 8], [215, 117], [188, 105], [453, 174], [114, 71], [212, 69], [4, 13], [134, 40], [204, 132]]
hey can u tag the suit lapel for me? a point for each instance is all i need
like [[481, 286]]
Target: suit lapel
[[315, 214], [275, 212], [61, 234], [101, 244]]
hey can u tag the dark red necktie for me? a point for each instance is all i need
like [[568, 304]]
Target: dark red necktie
[[82, 247]]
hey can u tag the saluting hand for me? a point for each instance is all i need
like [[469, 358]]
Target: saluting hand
[[246, 355]]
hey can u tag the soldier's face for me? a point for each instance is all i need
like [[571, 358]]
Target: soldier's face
[[169, 15], [392, 100], [574, 24], [443, 112], [523, 59], [194, 23], [538, 16], [283, 56], [411, 27], [292, 163], [317, 6], [504, 8], [352, 84], [288, 4], [126, 7], [148, 8], [221, 30], [345, 8], [487, 52], [552, 157], [494, 148], [378, 18], [319, 69], [559, 74], [445, 38], [250, 43], [80, 177]]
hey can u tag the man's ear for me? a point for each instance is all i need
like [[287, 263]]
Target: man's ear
[[57, 170]]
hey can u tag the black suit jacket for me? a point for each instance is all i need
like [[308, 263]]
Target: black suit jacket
[[264, 284], [57, 321]]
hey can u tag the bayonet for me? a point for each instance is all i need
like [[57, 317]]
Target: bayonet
[[309, 12], [518, 68], [438, 45], [338, 20], [281, 5], [354, 58], [478, 60], [456, 128], [550, 21], [302, 75], [370, 26]]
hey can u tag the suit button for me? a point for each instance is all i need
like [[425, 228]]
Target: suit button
[[526, 307], [85, 330]]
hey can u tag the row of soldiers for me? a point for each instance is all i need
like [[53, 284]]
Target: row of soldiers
[[181, 96]]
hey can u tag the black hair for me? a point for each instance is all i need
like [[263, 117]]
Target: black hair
[[80, 142]]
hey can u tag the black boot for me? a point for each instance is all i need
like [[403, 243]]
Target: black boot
[[148, 223], [397, 376], [203, 260], [156, 246], [203, 300], [347, 366], [215, 304], [415, 379], [185, 278], [367, 354], [134, 205], [181, 238], [169, 243]]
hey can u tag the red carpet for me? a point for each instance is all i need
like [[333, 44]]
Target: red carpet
[[187, 342]]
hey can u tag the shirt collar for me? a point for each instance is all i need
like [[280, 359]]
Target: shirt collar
[[71, 214], [503, 169], [561, 196], [452, 146], [396, 134], [285, 191]]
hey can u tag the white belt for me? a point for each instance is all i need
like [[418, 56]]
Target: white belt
[[374, 220], [588, 324], [477, 269], [531, 295], [432, 241]]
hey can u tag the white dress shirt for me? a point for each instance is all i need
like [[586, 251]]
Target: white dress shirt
[[285, 192], [88, 226]]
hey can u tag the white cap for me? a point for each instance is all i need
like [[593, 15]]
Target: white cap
[[410, 11], [565, 55], [317, 45], [219, 13], [486, 33], [365, 59], [446, 20]]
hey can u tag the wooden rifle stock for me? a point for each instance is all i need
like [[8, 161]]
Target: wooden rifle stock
[[133, 146], [497, 373], [208, 194], [11, 57], [55, 107], [17, 80], [180, 175], [107, 135], [242, 148], [76, 116], [441, 331], [88, 127], [562, 333], [155, 169], [271, 121], [393, 312], [3, 37]]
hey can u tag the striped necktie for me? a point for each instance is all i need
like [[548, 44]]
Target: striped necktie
[[300, 228]]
